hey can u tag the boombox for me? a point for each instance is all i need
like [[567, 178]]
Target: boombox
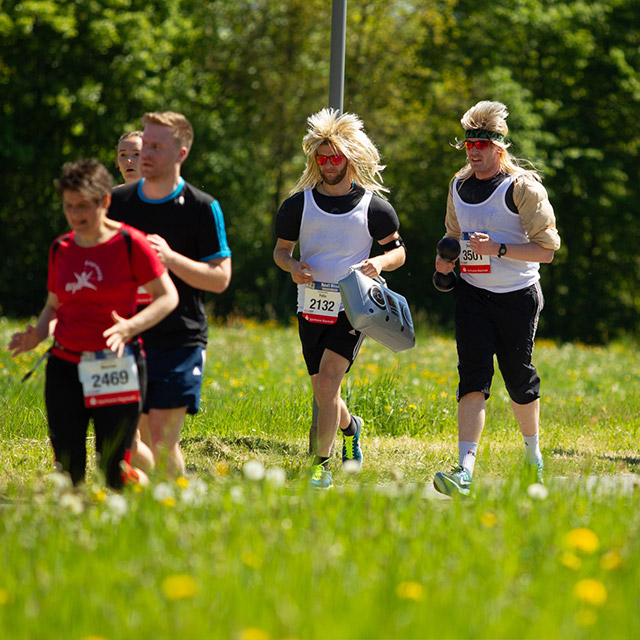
[[377, 311]]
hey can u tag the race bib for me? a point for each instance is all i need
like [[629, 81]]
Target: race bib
[[321, 302], [470, 261], [108, 380], [143, 297]]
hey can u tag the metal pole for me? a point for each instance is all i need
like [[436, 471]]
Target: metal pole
[[338, 39]]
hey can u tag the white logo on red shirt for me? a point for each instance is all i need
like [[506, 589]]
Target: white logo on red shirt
[[83, 279]]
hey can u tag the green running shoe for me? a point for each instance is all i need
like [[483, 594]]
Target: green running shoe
[[351, 451], [320, 477], [456, 483]]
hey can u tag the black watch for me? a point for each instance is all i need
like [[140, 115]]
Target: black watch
[[502, 250]]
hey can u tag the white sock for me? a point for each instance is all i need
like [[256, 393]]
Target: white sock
[[532, 454], [467, 455]]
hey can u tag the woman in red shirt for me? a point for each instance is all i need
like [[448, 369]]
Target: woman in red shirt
[[96, 368]]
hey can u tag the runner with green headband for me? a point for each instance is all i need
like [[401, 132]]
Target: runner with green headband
[[500, 213]]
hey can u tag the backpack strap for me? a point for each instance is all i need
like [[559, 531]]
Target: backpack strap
[[57, 243], [127, 238]]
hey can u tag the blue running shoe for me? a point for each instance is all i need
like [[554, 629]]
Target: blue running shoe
[[456, 483], [351, 450], [320, 477]]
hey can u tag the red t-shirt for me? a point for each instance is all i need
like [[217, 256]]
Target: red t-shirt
[[91, 282]]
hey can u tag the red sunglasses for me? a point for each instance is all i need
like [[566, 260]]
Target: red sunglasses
[[478, 144], [335, 160]]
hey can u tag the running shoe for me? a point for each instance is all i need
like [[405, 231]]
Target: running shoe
[[320, 477], [455, 483], [132, 475], [351, 450], [534, 472]]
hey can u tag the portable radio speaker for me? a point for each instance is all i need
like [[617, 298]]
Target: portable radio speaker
[[378, 312]]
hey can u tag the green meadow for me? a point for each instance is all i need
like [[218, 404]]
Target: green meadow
[[242, 549]]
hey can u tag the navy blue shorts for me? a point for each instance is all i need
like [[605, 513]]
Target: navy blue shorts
[[500, 324], [340, 338], [174, 378]]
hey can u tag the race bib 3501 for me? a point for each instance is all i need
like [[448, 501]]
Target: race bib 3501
[[470, 261]]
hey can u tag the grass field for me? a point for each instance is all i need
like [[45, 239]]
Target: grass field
[[228, 553]]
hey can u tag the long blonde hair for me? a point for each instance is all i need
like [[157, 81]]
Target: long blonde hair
[[344, 132], [491, 117]]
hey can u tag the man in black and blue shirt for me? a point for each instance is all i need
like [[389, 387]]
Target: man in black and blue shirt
[[186, 227]]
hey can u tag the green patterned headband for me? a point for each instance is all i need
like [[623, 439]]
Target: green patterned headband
[[484, 133]]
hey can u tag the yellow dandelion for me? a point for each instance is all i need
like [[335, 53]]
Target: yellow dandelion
[[610, 560], [100, 495], [169, 502], [590, 591], [180, 586], [586, 617], [489, 519], [582, 539], [93, 638], [221, 468], [4, 596], [253, 633], [250, 559], [412, 407], [182, 482], [387, 407], [571, 560], [410, 590]]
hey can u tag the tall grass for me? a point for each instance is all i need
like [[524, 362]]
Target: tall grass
[[222, 555]]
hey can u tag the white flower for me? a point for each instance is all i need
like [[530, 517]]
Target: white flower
[[195, 492], [237, 494], [72, 502], [253, 470], [276, 476], [117, 504], [60, 481], [162, 491], [351, 467], [537, 491]]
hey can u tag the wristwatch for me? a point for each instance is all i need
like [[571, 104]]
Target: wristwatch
[[502, 250]]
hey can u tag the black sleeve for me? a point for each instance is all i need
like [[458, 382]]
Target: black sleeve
[[289, 218], [383, 219]]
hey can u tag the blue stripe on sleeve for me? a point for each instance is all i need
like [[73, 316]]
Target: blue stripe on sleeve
[[218, 219]]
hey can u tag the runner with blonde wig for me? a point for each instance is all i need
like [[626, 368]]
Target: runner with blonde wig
[[501, 214], [344, 134], [492, 117], [335, 211]]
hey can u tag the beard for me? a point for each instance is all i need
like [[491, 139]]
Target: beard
[[338, 177]]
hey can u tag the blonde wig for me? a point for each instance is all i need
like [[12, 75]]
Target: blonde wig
[[489, 120], [344, 132], [181, 127]]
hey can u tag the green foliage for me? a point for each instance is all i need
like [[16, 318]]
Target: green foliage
[[75, 75]]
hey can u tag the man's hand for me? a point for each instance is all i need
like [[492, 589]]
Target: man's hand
[[301, 272], [162, 248], [371, 267], [483, 245]]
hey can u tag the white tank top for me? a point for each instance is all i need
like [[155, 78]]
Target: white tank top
[[494, 217], [330, 243]]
